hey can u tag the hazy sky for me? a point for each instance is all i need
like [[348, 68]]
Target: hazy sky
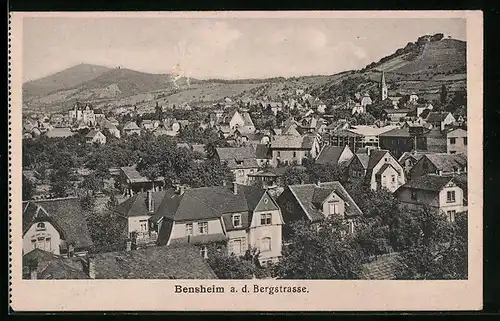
[[224, 48]]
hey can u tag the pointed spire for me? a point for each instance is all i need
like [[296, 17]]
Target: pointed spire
[[383, 87]]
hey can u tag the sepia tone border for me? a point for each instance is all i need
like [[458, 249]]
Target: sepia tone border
[[323, 295]]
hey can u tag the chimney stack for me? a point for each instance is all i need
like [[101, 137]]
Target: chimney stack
[[150, 201], [235, 188]]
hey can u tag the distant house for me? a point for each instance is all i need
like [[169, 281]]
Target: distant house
[[457, 141], [358, 136], [98, 114], [240, 160], [440, 119], [158, 262], [413, 98], [288, 149], [401, 140], [131, 181], [243, 217], [315, 202], [396, 114], [441, 193], [113, 121], [241, 121], [409, 159], [111, 129], [60, 133], [395, 101], [440, 164], [334, 155], [131, 128], [57, 226], [150, 125], [95, 136], [82, 113], [377, 170], [267, 178]]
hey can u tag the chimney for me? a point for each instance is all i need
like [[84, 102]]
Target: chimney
[[91, 267], [235, 188], [128, 245], [180, 189], [33, 274], [224, 182], [150, 201], [318, 183]]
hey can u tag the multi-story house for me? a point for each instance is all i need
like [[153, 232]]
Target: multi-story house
[[315, 202], [441, 193], [291, 149], [241, 121], [243, 217], [84, 113], [95, 136], [440, 164], [377, 170], [136, 211], [57, 226], [240, 160], [440, 119], [457, 141]]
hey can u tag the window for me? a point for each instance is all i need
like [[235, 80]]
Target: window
[[414, 195], [450, 196], [144, 225], [294, 154], [453, 141], [452, 152], [238, 246], [333, 208], [189, 229], [451, 215], [241, 172], [33, 243], [40, 227], [465, 141], [204, 252], [265, 219], [393, 178], [237, 220], [265, 244], [278, 154], [203, 228]]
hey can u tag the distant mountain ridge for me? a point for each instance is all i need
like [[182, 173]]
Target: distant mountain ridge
[[422, 66]]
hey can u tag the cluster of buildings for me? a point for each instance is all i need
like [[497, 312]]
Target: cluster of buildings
[[421, 159]]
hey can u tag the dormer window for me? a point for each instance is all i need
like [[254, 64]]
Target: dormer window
[[40, 227], [237, 220]]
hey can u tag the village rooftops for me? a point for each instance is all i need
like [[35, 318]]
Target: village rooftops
[[137, 205], [65, 214], [330, 154], [310, 195], [363, 130], [133, 176], [448, 162], [397, 132], [158, 262], [92, 133], [436, 116], [131, 126]]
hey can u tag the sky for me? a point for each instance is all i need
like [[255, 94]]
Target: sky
[[227, 48]]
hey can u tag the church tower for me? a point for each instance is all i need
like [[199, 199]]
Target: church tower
[[383, 87]]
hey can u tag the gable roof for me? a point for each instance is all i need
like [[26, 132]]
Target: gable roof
[[92, 133], [134, 176], [383, 168], [437, 116], [330, 154], [65, 213], [137, 204], [247, 120], [208, 202], [375, 157], [310, 195], [429, 182], [60, 132], [292, 142], [416, 156], [363, 159], [447, 162], [131, 125], [237, 157]]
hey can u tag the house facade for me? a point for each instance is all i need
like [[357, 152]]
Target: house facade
[[240, 160], [457, 141], [57, 226], [95, 136], [440, 193], [291, 149], [241, 217], [131, 128], [316, 202], [440, 164]]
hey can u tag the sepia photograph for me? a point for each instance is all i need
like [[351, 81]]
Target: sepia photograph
[[244, 148]]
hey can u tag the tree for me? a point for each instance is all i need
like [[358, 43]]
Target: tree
[[108, 232], [295, 175], [230, 266], [92, 184], [319, 252], [60, 187], [324, 172], [28, 189], [443, 95]]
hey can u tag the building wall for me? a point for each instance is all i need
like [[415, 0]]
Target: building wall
[[179, 228], [397, 145], [134, 224], [458, 205], [422, 167], [460, 145], [49, 232], [338, 201], [287, 155], [237, 235], [241, 175], [391, 160], [257, 232], [386, 179], [355, 167]]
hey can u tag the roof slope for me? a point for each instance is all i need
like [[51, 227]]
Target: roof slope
[[429, 182], [67, 214], [448, 162], [137, 204], [384, 267], [330, 154]]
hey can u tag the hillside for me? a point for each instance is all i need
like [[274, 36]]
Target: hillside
[[67, 78], [422, 66]]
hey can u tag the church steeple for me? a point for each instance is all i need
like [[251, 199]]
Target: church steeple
[[383, 87]]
